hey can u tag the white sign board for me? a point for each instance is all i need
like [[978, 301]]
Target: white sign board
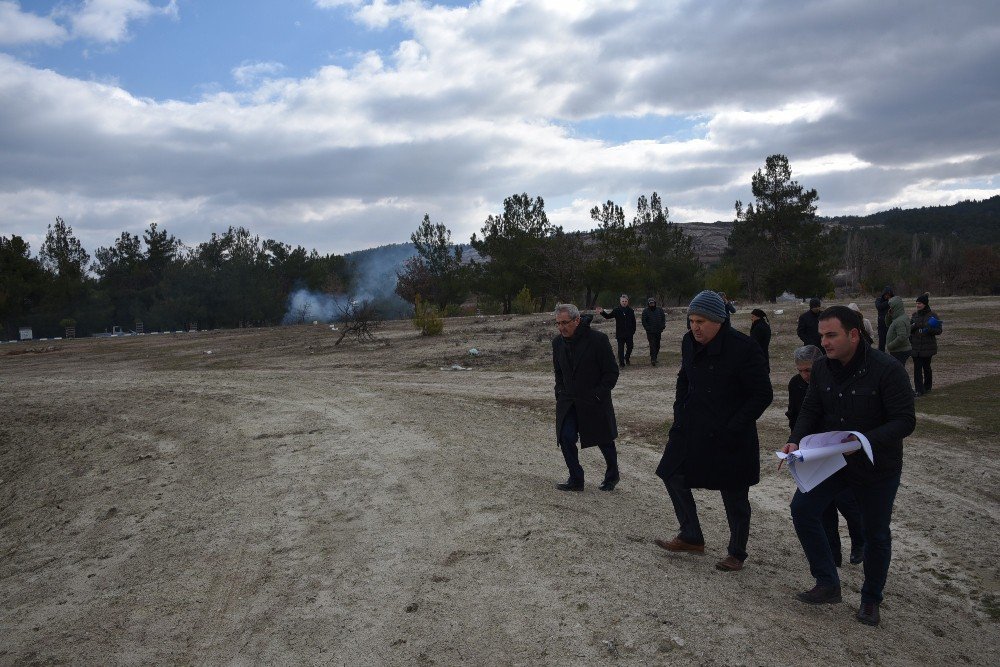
[[26, 333]]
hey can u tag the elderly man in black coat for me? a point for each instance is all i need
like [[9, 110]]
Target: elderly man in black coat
[[722, 388], [855, 388], [585, 372]]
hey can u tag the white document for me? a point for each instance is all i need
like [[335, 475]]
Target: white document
[[821, 454]]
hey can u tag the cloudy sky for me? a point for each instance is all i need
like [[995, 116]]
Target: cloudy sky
[[336, 124]]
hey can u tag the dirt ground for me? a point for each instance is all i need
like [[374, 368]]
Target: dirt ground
[[261, 496]]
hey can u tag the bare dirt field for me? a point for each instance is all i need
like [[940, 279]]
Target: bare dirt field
[[261, 496]]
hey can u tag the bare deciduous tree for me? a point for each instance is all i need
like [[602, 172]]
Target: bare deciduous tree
[[360, 319]]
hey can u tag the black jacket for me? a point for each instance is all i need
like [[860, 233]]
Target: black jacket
[[876, 400], [882, 308], [808, 329], [722, 388], [797, 388], [624, 321], [586, 371], [923, 336], [654, 320], [760, 332]]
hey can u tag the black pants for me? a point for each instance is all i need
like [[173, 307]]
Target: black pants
[[568, 435], [901, 357], [922, 377], [624, 350], [654, 345], [847, 503], [736, 502]]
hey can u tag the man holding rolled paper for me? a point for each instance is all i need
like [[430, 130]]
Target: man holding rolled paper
[[855, 388]]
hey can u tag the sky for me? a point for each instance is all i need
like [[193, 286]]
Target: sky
[[337, 124]]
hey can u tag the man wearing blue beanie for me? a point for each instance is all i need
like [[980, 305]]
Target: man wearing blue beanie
[[723, 386]]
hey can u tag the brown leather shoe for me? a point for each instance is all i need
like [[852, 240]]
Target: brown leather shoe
[[729, 564], [677, 544]]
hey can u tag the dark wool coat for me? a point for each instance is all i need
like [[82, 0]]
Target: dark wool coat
[[923, 337], [654, 320], [808, 329], [876, 400], [722, 388], [586, 372], [797, 388], [760, 331], [624, 321], [882, 307]]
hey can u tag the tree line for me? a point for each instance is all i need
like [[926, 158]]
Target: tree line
[[522, 263]]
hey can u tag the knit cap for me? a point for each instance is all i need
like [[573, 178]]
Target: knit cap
[[814, 303], [924, 298], [709, 305]]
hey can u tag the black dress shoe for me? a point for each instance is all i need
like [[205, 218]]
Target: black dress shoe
[[570, 485], [868, 613], [609, 484], [857, 555], [821, 595]]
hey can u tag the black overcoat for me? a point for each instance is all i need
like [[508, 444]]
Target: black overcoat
[[624, 321], [923, 336], [722, 388], [585, 380], [760, 331]]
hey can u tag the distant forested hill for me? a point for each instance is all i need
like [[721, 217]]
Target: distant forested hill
[[976, 222]]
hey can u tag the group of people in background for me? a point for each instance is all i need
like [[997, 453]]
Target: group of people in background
[[905, 337], [843, 383]]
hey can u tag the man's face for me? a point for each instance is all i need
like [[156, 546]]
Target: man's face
[[703, 329], [623, 301], [816, 309], [566, 325], [838, 343], [805, 370]]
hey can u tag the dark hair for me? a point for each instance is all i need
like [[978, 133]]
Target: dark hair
[[757, 312], [849, 319]]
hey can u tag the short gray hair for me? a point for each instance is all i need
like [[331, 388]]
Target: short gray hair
[[809, 353], [567, 308]]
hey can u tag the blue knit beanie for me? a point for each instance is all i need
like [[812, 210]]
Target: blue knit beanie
[[709, 305]]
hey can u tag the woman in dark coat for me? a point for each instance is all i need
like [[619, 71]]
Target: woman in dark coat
[[723, 387], [760, 331], [585, 373], [925, 327]]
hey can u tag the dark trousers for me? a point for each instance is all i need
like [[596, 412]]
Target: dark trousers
[[901, 357], [847, 504], [875, 500], [624, 350], [922, 377], [654, 345], [881, 338], [568, 435], [737, 504]]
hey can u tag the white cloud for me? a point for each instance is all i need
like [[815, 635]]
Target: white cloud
[[472, 104], [20, 27], [108, 20], [249, 72]]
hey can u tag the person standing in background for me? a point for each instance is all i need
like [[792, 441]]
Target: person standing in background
[[865, 322], [882, 315], [760, 332], [808, 329], [624, 328], [897, 336], [925, 327], [654, 321]]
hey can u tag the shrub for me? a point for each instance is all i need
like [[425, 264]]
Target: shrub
[[427, 318], [523, 303]]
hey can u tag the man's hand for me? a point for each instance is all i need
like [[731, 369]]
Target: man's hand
[[789, 448], [848, 439]]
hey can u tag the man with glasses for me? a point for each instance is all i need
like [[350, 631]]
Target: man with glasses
[[585, 372]]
